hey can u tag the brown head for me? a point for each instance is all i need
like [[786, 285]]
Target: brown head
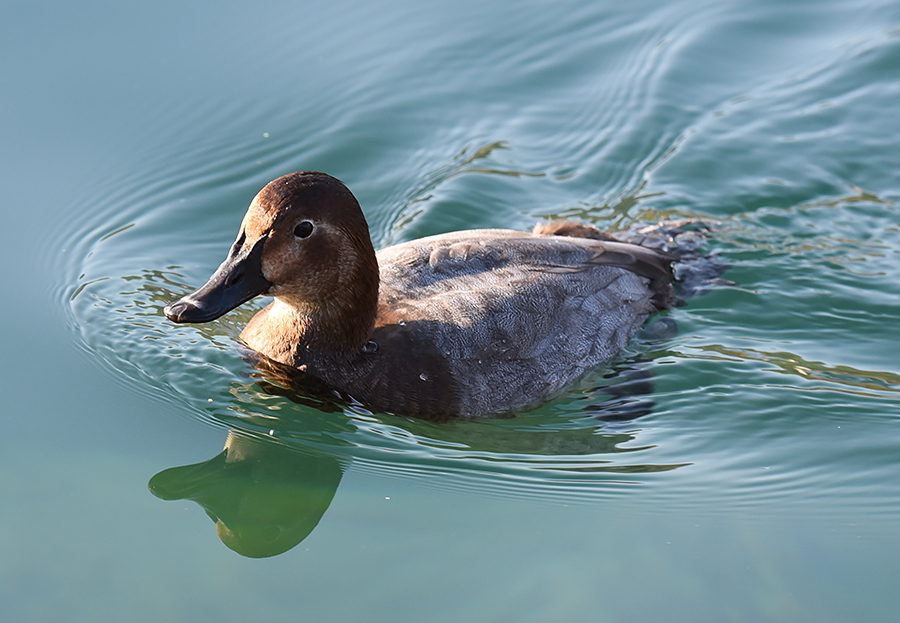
[[305, 241]]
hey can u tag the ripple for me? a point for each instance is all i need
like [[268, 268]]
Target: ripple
[[117, 302], [781, 387], [653, 421]]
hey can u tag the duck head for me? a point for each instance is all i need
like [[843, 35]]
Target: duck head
[[305, 241]]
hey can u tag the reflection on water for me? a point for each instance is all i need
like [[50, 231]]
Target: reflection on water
[[469, 160], [263, 496], [844, 378], [279, 471], [136, 135], [612, 432], [595, 440], [595, 422], [590, 431], [266, 492]]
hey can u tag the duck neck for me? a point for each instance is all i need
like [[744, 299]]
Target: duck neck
[[338, 322], [333, 326]]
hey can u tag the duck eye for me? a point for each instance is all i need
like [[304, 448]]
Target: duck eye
[[303, 229]]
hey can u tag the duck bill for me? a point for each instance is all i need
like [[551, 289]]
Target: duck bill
[[235, 282]]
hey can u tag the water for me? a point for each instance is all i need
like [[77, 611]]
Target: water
[[760, 483]]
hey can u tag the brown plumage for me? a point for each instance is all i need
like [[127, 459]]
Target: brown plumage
[[467, 323]]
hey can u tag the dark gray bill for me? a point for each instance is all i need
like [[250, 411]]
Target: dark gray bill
[[235, 282]]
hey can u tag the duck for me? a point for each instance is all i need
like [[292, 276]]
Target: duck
[[473, 323]]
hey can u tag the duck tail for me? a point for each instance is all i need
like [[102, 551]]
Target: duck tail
[[679, 242], [563, 227], [696, 269], [654, 264]]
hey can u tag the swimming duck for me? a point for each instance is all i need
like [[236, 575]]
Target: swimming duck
[[468, 323]]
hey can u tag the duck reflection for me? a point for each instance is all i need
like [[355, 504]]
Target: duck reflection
[[263, 496]]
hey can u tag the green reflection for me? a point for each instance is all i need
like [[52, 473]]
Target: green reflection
[[841, 378], [264, 497], [471, 159]]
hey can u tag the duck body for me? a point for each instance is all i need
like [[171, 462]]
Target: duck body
[[469, 323]]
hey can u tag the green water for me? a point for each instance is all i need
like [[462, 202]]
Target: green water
[[760, 483]]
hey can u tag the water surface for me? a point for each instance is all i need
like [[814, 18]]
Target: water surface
[[744, 469]]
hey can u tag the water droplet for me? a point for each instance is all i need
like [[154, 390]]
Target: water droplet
[[370, 347]]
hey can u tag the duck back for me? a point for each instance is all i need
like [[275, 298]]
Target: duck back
[[493, 321]]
